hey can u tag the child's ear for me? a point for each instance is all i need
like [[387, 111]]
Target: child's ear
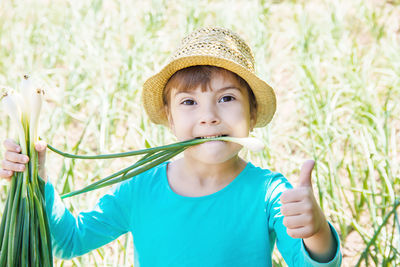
[[252, 122], [251, 126]]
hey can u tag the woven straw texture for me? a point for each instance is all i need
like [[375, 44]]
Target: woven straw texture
[[214, 46]]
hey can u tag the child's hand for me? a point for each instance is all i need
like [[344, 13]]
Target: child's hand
[[304, 218], [14, 161]]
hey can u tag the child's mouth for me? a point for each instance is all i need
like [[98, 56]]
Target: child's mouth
[[210, 137]]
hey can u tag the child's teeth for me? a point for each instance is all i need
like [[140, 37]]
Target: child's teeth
[[211, 136]]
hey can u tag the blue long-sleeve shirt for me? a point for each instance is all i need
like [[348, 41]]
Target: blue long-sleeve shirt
[[236, 226]]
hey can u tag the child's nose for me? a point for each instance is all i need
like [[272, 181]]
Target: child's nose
[[209, 115], [210, 121]]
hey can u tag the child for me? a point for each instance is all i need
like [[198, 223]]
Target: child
[[209, 208]]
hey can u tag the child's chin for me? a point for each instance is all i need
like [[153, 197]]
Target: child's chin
[[214, 146], [214, 152]]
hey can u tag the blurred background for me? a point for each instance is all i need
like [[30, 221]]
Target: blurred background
[[334, 65]]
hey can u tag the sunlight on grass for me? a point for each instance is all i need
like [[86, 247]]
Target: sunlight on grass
[[335, 67]]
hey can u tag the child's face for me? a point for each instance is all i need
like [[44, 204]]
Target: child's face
[[224, 109]]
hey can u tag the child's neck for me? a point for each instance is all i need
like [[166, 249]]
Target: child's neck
[[206, 175]]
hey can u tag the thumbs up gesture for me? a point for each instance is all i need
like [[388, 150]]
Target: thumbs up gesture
[[303, 217]]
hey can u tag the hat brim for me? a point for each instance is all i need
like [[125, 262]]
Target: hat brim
[[154, 86]]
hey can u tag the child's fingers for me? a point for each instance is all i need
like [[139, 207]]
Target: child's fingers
[[294, 208], [6, 174], [301, 232], [11, 166], [294, 195], [297, 221], [16, 157], [11, 145]]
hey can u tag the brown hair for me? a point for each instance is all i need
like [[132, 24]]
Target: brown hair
[[189, 78]]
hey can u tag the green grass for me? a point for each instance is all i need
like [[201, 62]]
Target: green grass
[[335, 67]]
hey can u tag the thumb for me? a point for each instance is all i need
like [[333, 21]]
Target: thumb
[[305, 173], [40, 147]]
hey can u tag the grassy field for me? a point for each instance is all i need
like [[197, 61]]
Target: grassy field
[[335, 67]]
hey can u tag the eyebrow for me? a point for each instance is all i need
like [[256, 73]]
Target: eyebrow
[[221, 89]]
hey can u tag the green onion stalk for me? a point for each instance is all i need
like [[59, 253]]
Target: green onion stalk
[[24, 230], [151, 157]]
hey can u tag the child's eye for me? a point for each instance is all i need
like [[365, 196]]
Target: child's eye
[[188, 102], [227, 98]]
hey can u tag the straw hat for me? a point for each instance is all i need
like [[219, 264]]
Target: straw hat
[[214, 46]]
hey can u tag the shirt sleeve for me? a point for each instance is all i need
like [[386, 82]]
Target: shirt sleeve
[[74, 236], [292, 250]]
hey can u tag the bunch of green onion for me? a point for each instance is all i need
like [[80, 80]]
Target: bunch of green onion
[[24, 231], [151, 157]]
